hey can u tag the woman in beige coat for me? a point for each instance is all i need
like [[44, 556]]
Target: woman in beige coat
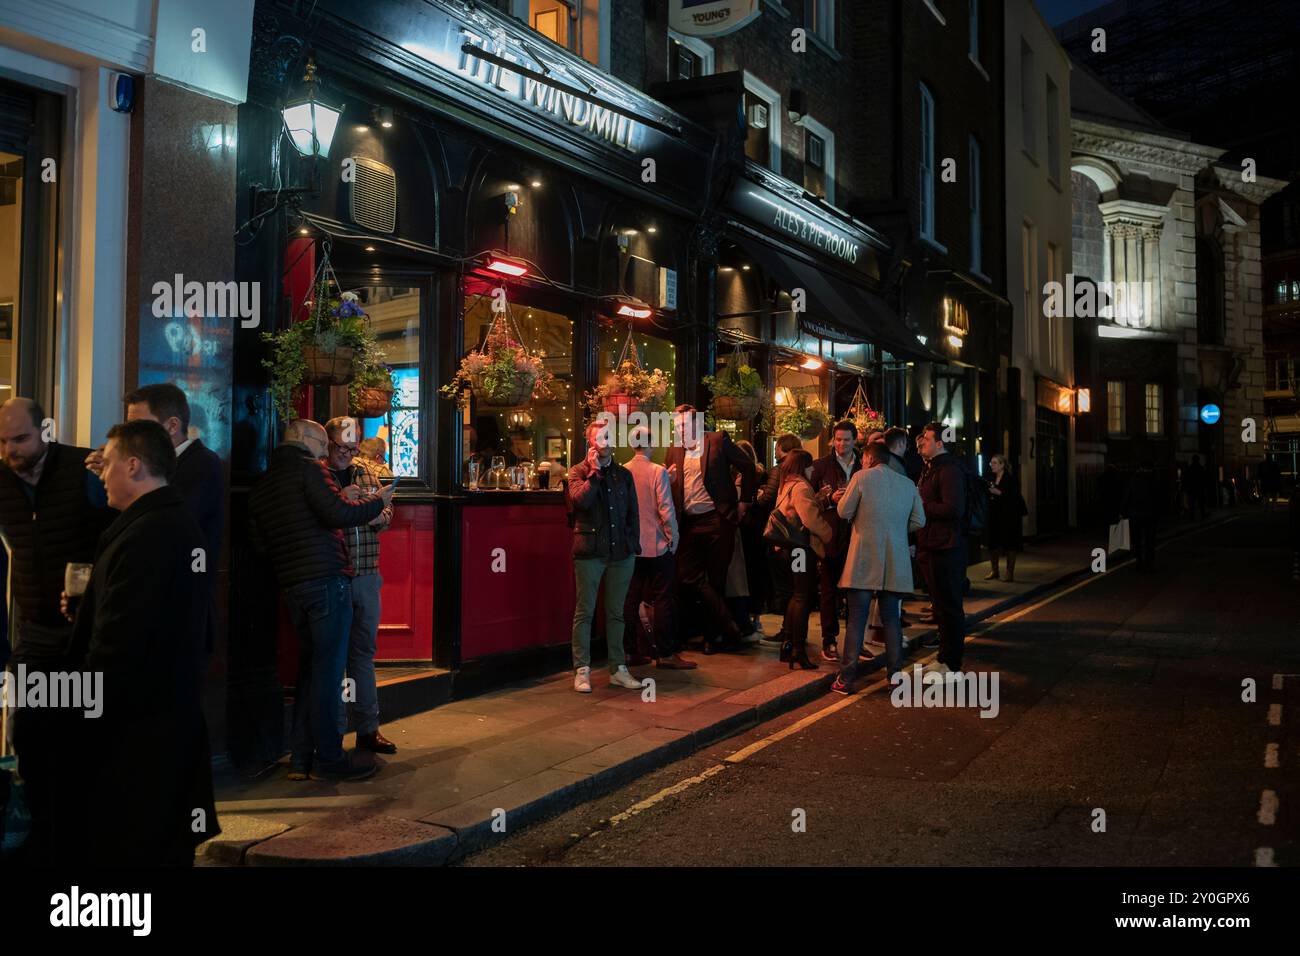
[[796, 501], [884, 507]]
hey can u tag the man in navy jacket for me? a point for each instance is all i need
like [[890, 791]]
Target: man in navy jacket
[[941, 544]]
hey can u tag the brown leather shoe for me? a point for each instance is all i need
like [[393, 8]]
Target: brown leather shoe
[[376, 743]]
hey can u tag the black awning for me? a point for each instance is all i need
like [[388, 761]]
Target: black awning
[[837, 309]]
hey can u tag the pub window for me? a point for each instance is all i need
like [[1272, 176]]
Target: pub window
[[1027, 138], [1053, 121], [1154, 410], [654, 352], [927, 163], [394, 314], [534, 431], [1281, 291], [819, 159], [1115, 407], [688, 57], [762, 123], [551, 18]]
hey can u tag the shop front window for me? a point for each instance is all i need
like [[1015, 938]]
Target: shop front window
[[654, 353], [11, 219], [539, 429], [394, 313]]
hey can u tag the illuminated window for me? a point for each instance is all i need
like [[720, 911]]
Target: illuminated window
[[820, 17], [1115, 408], [394, 314], [955, 317], [1154, 410]]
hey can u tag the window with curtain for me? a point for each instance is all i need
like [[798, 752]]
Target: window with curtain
[[1115, 407], [1154, 409], [927, 163], [819, 17]]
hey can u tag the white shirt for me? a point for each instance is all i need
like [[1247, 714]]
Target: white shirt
[[847, 465], [695, 497], [183, 445]]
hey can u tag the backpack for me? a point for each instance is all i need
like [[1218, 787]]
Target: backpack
[[977, 503], [785, 532]]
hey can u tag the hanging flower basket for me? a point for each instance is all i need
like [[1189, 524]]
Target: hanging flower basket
[[631, 388], [372, 402], [502, 374], [806, 421], [327, 366], [737, 408], [511, 394], [866, 418]]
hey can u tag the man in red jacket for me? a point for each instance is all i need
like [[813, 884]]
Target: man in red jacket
[[941, 544]]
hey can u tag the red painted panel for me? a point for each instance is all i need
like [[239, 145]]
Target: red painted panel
[[530, 603], [406, 563], [406, 620]]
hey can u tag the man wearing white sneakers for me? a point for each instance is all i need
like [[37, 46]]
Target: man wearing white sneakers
[[606, 542]]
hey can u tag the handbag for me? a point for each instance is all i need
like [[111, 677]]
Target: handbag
[[1119, 536], [784, 531]]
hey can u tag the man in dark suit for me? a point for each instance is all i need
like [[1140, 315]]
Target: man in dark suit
[[145, 786], [830, 476], [200, 477], [699, 466]]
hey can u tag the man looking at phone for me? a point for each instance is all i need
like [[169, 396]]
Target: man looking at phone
[[358, 478]]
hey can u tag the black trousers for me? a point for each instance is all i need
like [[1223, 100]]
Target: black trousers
[[1143, 534], [802, 598], [707, 545], [652, 582], [945, 575], [42, 742], [829, 570]]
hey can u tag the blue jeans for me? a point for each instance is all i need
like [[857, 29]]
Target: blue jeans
[[366, 589], [321, 610], [859, 611]]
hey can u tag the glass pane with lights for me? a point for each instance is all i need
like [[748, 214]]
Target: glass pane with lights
[[536, 432], [654, 353], [11, 219], [394, 313]]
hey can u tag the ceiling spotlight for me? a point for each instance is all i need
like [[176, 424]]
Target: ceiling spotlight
[[630, 308], [363, 129], [536, 184], [370, 248], [303, 231], [812, 364], [383, 115], [746, 268], [651, 229], [726, 269]]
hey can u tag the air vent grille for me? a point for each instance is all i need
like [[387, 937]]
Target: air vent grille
[[373, 198]]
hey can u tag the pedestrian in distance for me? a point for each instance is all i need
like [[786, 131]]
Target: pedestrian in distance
[[606, 541], [1270, 481], [797, 502], [299, 513], [1004, 536], [1140, 506], [883, 507]]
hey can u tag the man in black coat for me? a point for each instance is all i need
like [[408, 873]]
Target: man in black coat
[[51, 514], [143, 793], [200, 476], [709, 508], [830, 476], [298, 512], [941, 544]]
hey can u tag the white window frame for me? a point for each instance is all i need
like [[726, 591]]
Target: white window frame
[[828, 8], [828, 157], [774, 111], [1029, 273], [1147, 408], [1052, 327], [1111, 405], [927, 167], [1028, 128], [976, 206], [697, 46], [519, 9]]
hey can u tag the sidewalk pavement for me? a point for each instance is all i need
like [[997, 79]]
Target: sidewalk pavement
[[470, 771]]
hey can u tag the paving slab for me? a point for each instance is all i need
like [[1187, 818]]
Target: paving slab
[[510, 808], [356, 838]]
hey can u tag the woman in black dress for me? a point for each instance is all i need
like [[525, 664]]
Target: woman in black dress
[[1006, 509]]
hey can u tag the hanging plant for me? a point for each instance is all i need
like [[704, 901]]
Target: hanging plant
[[806, 421], [738, 393], [371, 392], [333, 345], [631, 388], [866, 418], [502, 373]]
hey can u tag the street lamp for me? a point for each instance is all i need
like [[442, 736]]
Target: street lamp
[[310, 122]]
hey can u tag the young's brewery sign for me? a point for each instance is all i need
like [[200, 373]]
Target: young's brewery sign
[[710, 18]]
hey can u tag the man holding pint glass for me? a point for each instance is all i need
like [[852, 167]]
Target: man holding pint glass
[[51, 514]]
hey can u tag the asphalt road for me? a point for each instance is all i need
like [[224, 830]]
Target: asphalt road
[[1122, 695]]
